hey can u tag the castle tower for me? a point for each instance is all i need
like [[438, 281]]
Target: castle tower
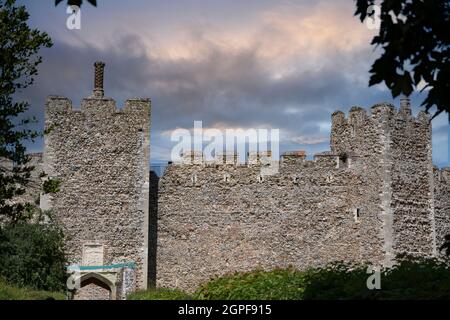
[[99, 158], [394, 149]]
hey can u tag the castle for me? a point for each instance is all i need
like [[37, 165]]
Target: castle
[[376, 194]]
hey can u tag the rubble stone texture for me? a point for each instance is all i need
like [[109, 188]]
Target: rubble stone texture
[[100, 155], [374, 196]]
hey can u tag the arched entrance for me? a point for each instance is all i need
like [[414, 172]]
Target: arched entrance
[[111, 282], [94, 286]]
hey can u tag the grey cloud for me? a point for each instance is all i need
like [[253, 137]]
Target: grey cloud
[[234, 88]]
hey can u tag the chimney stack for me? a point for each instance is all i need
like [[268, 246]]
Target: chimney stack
[[98, 81], [405, 105]]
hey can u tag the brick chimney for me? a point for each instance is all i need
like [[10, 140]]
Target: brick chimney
[[98, 80], [405, 105]]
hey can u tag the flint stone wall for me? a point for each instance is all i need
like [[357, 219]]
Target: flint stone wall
[[369, 199], [100, 155], [442, 206]]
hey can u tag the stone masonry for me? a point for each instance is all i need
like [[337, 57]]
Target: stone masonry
[[373, 196], [100, 156]]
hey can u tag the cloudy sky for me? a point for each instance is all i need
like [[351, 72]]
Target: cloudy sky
[[284, 64]]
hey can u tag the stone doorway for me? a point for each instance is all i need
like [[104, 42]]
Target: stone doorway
[[94, 286]]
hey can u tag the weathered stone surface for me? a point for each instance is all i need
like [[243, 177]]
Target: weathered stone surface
[[441, 205], [368, 199], [100, 155]]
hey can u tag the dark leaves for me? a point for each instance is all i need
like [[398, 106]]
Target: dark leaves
[[77, 3], [361, 8], [415, 41]]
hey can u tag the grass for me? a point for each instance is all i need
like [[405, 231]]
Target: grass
[[160, 294], [8, 292]]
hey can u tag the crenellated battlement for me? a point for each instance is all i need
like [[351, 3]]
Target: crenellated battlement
[[363, 132], [137, 106], [378, 112], [442, 175], [60, 108], [57, 106], [291, 159], [291, 166]]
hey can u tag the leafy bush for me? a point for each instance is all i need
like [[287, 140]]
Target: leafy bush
[[13, 293], [416, 278], [160, 294], [51, 186], [410, 278], [32, 255], [272, 285], [337, 281]]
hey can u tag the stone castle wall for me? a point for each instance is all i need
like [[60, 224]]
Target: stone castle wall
[[304, 216], [442, 205], [100, 155], [372, 197]]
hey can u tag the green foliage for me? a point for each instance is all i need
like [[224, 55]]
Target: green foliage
[[19, 45], [8, 292], [50, 128], [337, 281], [32, 255], [51, 186], [272, 285], [416, 47], [160, 294], [416, 278], [410, 278]]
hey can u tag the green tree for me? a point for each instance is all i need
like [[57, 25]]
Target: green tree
[[32, 255], [19, 45], [415, 39]]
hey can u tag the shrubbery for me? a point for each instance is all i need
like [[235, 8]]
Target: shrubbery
[[51, 186], [32, 255], [269, 285], [410, 278]]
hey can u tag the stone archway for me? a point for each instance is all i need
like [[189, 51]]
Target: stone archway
[[95, 286], [112, 282]]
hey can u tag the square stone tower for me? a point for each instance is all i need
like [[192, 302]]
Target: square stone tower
[[395, 151], [98, 157]]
